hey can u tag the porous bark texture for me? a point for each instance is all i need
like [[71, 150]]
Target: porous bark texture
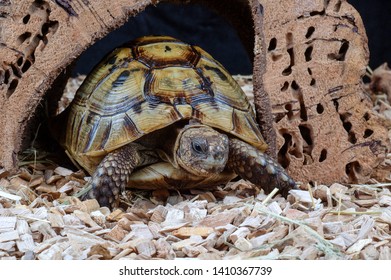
[[309, 57], [316, 55]]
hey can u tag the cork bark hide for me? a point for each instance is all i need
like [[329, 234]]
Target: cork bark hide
[[316, 54], [309, 57]]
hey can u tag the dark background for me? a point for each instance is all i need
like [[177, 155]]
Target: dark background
[[198, 25]]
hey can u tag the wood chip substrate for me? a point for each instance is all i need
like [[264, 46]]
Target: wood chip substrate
[[41, 218]]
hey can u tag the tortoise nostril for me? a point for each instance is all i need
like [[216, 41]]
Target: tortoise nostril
[[219, 155]]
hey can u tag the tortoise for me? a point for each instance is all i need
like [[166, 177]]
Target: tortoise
[[161, 113]]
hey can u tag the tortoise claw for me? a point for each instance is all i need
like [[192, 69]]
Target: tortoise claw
[[258, 168]]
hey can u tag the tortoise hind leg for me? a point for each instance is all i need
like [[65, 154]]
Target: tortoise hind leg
[[258, 168], [111, 176]]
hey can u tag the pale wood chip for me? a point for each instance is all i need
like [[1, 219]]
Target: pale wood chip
[[139, 231], [370, 253], [178, 246], [7, 246], [155, 229], [366, 202], [117, 233], [166, 229], [100, 252], [159, 214], [25, 243], [240, 232], [194, 251], [195, 215], [290, 253], [34, 182], [274, 207], [332, 228], [115, 216], [164, 249], [10, 196], [174, 216], [357, 247], [219, 219], [386, 216], [146, 248], [260, 240], [295, 214], [54, 252], [56, 220], [338, 188], [44, 228], [186, 232], [9, 235], [69, 186], [123, 253], [22, 227], [385, 253], [385, 200], [302, 196], [63, 171], [85, 218], [251, 222], [7, 224], [310, 253], [243, 244]]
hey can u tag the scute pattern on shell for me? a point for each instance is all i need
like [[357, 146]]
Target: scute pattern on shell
[[147, 85]]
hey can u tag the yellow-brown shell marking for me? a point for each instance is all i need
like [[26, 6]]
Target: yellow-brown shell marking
[[147, 85]]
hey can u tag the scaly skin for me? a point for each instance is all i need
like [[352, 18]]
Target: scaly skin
[[258, 168], [112, 174]]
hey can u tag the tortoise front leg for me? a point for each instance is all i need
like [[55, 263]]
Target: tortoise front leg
[[258, 168], [111, 177]]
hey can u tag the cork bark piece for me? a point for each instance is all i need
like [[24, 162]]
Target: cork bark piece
[[316, 55], [308, 60]]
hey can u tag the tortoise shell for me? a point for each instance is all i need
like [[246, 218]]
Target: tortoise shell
[[147, 85]]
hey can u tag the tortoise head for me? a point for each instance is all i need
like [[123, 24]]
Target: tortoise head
[[201, 150]]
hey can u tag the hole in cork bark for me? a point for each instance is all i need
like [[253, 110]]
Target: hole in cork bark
[[12, 87], [310, 31], [289, 109], [287, 71], [272, 44], [351, 169], [282, 153], [367, 116], [340, 56], [16, 71], [337, 7], [23, 37], [319, 108], [368, 132], [297, 93], [7, 75], [294, 85], [27, 64], [26, 19], [306, 133], [352, 137], [19, 62], [336, 104], [285, 86], [308, 53], [323, 155], [309, 71], [313, 82]]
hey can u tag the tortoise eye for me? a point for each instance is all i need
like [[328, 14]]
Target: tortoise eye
[[199, 146]]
